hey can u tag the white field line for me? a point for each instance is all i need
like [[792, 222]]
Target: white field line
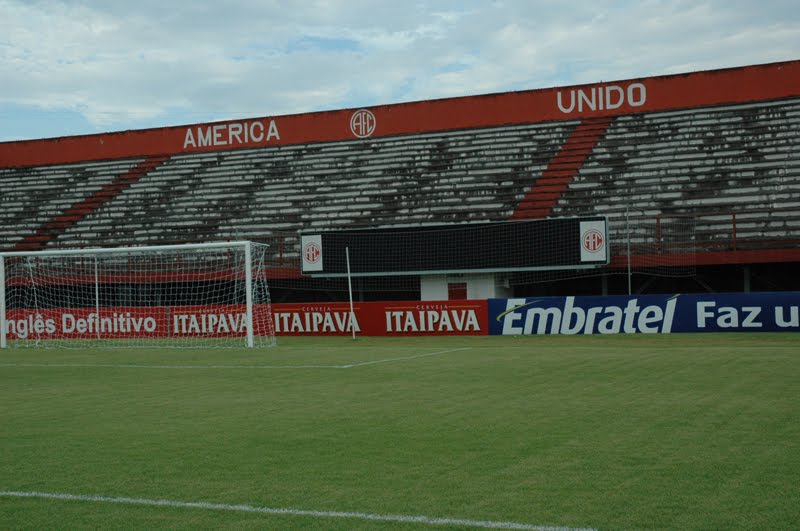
[[425, 520], [387, 360], [138, 366]]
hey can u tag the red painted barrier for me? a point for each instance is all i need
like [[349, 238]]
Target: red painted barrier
[[307, 319], [699, 89]]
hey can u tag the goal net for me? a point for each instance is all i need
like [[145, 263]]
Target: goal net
[[589, 255], [195, 295]]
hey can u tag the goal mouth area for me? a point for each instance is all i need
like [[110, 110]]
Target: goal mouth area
[[145, 296]]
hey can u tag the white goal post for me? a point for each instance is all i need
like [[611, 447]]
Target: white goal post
[[191, 295]]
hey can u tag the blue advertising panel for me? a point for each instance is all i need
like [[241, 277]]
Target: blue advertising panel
[[646, 314]]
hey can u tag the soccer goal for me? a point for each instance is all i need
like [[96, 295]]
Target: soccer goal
[[192, 295]]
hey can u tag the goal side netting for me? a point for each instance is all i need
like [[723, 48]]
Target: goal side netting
[[196, 295]]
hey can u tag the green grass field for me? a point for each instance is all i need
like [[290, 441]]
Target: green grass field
[[622, 432]]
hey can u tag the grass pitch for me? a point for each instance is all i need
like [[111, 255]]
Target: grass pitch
[[622, 432]]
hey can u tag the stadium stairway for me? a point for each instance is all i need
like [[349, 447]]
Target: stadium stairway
[[34, 196], [85, 206], [547, 190]]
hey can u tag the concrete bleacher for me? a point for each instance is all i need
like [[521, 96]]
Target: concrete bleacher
[[252, 194], [32, 197], [720, 167], [735, 170]]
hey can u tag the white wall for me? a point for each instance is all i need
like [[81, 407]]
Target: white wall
[[479, 286]]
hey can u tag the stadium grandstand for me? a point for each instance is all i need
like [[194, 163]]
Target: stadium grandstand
[[698, 175]]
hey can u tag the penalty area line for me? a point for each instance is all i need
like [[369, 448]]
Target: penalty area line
[[387, 360], [425, 520]]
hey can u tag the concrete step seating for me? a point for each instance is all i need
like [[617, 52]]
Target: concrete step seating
[[721, 161]]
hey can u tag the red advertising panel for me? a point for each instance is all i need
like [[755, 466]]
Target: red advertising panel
[[460, 318], [434, 318], [683, 91], [127, 322], [306, 319]]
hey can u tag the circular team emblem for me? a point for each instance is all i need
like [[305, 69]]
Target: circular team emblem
[[312, 253], [592, 240], [362, 123]]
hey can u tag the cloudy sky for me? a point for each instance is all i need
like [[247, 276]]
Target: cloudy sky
[[78, 67]]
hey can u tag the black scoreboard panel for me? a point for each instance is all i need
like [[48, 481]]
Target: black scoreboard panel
[[477, 247]]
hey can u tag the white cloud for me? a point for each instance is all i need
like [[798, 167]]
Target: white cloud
[[125, 64]]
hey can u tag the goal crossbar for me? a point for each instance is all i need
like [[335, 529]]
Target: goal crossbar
[[122, 250]]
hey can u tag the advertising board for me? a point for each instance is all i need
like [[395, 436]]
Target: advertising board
[[303, 319], [646, 314], [642, 314]]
